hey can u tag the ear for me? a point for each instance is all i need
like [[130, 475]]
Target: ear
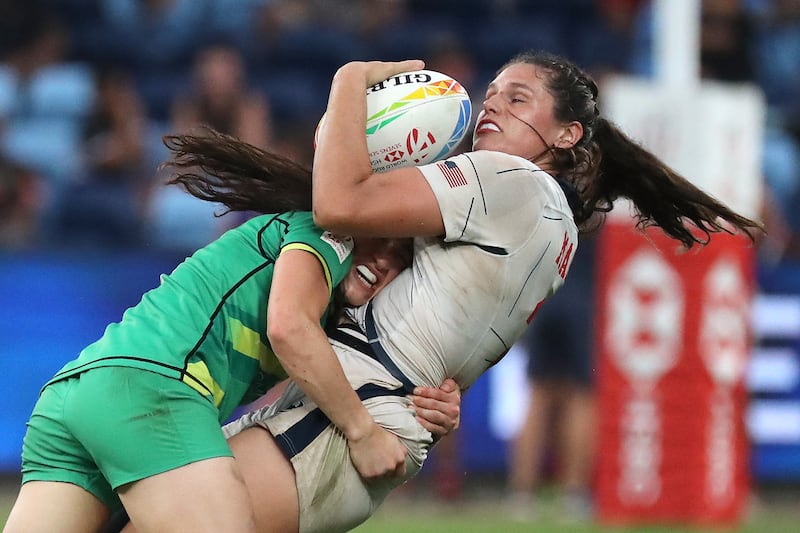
[[572, 134]]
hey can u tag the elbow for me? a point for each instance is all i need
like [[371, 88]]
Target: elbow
[[282, 332], [337, 218], [326, 205], [338, 201]]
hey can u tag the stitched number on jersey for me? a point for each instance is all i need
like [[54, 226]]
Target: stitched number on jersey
[[564, 256]]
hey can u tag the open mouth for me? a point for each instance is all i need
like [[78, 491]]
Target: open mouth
[[366, 275], [487, 126]]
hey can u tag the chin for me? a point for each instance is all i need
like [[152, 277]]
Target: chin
[[483, 144], [360, 297]]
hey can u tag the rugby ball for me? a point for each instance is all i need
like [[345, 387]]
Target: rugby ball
[[414, 118]]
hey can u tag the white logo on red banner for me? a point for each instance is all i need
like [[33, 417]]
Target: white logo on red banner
[[723, 339], [645, 307], [723, 344]]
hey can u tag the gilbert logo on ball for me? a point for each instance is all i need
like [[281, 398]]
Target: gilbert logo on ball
[[415, 118]]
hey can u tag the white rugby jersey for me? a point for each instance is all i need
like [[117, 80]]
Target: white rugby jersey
[[510, 238]]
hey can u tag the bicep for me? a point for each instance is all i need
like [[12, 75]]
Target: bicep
[[397, 203], [299, 289]]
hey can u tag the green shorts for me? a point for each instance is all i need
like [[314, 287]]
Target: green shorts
[[113, 425]]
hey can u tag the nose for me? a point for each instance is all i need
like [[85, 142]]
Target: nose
[[490, 103], [388, 257], [383, 260]]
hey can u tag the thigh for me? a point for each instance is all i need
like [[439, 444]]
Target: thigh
[[204, 496], [270, 480], [51, 452], [47, 506], [137, 424]]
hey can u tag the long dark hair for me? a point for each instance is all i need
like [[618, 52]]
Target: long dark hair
[[606, 164], [217, 167], [221, 168]]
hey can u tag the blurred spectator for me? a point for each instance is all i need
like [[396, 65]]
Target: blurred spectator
[[778, 60], [149, 34], [43, 95], [105, 205], [726, 32], [30, 36], [781, 166], [375, 17], [233, 19], [363, 19], [113, 133], [640, 55], [21, 205], [620, 15], [606, 29], [560, 417], [296, 141], [308, 34], [221, 98], [297, 46], [447, 53], [781, 240]]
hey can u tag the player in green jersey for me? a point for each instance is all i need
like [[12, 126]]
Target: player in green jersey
[[136, 417]]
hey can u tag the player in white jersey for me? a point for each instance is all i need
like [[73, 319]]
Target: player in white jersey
[[496, 230], [461, 306]]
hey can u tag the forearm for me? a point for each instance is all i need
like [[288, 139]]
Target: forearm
[[347, 196], [341, 160], [310, 361]]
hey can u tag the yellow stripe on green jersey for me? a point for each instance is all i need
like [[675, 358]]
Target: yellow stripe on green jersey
[[199, 378], [205, 324], [248, 342], [307, 248]]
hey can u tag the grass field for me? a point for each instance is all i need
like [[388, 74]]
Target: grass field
[[488, 517], [482, 511]]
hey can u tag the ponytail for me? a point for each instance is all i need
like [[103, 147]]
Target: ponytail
[[605, 165], [221, 168], [662, 197]]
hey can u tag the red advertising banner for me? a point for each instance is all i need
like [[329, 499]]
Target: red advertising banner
[[673, 341]]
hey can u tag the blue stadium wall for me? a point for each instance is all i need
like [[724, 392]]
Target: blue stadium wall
[[54, 303]]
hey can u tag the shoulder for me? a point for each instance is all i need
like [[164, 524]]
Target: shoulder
[[500, 158], [302, 229], [486, 164], [516, 171], [289, 218], [479, 167], [499, 161], [279, 228]]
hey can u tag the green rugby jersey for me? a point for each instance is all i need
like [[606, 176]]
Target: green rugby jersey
[[205, 324]]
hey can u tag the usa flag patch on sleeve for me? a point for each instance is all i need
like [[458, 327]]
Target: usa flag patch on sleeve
[[342, 245], [453, 174]]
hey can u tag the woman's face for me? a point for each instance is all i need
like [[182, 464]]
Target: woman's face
[[220, 72], [376, 262], [516, 103]]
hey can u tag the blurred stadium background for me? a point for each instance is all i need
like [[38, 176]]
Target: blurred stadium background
[[87, 87]]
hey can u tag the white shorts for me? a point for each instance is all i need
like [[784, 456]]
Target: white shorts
[[332, 495]]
